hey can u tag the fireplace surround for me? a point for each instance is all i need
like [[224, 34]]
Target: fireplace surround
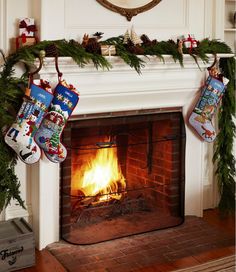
[[161, 86]]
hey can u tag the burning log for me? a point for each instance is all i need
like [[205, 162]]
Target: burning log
[[85, 200], [98, 210], [99, 198], [113, 191]]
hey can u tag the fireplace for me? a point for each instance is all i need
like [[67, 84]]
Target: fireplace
[[123, 175], [106, 96]]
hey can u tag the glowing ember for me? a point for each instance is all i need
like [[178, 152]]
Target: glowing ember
[[102, 175]]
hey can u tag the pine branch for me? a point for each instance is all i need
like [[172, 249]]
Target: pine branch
[[223, 154], [131, 59], [9, 183]]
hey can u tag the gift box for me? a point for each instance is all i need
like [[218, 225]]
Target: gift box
[[108, 50], [27, 27], [25, 41], [190, 41]]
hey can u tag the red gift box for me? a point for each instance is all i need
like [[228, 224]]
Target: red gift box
[[190, 42], [25, 41]]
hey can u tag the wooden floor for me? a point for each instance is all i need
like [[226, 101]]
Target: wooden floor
[[45, 262]]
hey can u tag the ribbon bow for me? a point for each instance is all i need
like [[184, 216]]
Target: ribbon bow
[[29, 28], [191, 40]]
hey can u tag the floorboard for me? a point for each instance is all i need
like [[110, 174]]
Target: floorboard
[[45, 262]]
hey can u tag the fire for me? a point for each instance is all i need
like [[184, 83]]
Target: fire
[[102, 175]]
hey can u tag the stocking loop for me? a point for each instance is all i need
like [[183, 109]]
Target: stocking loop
[[31, 74], [57, 68], [214, 63]]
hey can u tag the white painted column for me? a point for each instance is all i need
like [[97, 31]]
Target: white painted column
[[219, 19], [45, 192], [2, 25], [194, 170]]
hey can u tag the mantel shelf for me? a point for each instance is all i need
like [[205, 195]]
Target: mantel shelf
[[230, 29], [68, 65], [122, 88]]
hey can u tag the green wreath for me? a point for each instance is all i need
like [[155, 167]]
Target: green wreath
[[12, 91]]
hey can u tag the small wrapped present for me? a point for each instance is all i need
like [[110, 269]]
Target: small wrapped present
[[108, 50], [190, 42], [25, 41], [27, 27]]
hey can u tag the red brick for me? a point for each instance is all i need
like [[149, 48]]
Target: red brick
[[188, 239]]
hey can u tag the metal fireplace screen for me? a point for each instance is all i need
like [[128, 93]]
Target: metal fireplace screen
[[122, 176]]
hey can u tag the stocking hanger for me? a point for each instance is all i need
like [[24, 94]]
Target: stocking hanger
[[214, 69], [59, 74], [215, 62]]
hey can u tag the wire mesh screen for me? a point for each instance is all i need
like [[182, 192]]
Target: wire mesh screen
[[123, 176]]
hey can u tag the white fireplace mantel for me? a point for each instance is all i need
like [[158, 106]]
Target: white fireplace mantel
[[159, 86], [163, 84]]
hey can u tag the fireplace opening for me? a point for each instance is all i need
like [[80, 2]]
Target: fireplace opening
[[123, 175]]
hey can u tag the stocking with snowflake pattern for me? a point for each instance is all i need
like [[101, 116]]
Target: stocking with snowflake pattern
[[48, 135]]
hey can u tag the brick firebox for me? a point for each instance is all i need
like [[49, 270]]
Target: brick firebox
[[150, 149]]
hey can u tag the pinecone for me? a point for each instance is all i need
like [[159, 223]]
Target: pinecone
[[129, 44], [135, 49], [146, 41], [93, 46], [171, 41], [51, 50]]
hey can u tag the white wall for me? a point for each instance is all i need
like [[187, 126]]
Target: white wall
[[169, 19], [68, 19]]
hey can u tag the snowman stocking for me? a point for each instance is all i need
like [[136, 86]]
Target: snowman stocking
[[48, 135], [20, 135], [201, 117]]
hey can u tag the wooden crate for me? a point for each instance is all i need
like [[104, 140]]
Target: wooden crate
[[17, 245]]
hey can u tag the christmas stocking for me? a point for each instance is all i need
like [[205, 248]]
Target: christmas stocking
[[48, 135], [201, 117], [20, 136]]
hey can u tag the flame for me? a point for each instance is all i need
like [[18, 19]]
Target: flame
[[102, 175]]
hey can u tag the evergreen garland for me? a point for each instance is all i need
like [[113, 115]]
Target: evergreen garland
[[223, 155], [131, 59], [11, 93]]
